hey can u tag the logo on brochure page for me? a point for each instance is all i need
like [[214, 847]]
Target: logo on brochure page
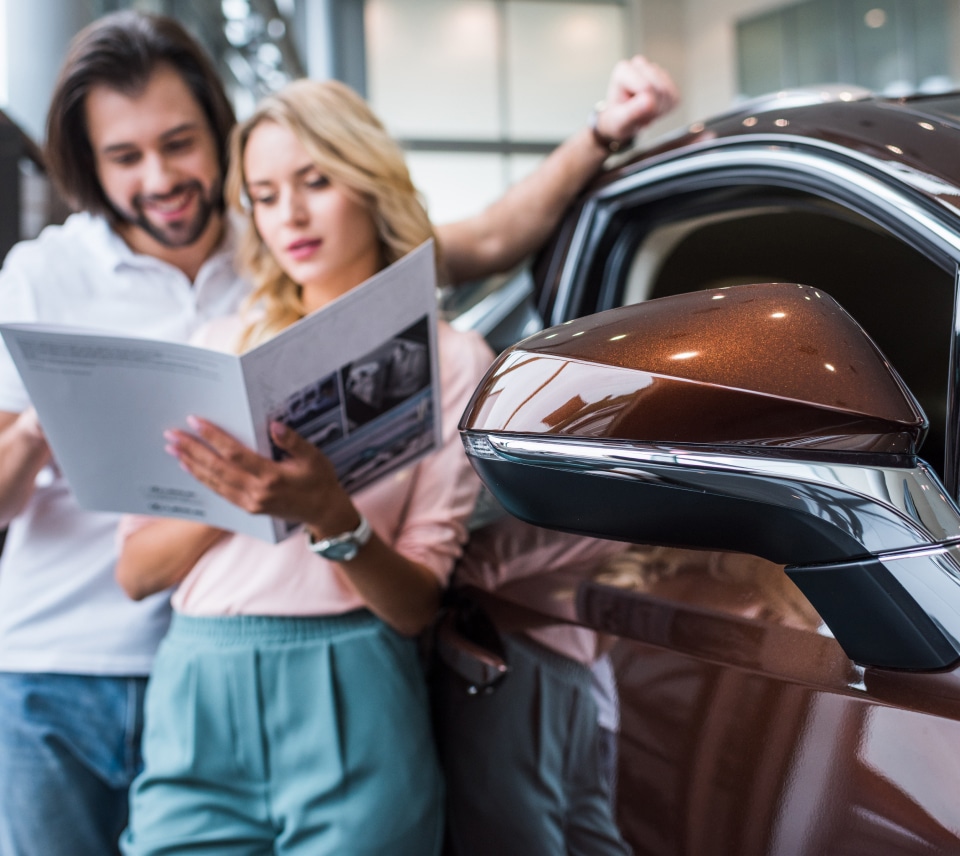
[[174, 501]]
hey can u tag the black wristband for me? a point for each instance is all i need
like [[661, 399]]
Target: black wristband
[[611, 145]]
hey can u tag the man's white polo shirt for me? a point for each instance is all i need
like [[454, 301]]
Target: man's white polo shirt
[[61, 609]]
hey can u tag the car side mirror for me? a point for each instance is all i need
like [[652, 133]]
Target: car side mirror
[[758, 418]]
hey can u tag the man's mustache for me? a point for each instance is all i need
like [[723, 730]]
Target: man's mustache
[[140, 200]]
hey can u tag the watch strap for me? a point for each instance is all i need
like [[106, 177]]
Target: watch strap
[[355, 538], [609, 143]]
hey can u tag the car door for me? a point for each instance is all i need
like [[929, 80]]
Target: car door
[[744, 726], [748, 213]]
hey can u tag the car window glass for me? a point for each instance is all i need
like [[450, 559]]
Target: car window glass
[[501, 308], [902, 299]]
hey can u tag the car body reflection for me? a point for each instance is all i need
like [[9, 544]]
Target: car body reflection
[[747, 718]]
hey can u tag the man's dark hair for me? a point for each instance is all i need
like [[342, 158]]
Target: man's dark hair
[[121, 51]]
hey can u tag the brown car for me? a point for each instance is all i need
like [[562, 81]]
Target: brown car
[[751, 458]]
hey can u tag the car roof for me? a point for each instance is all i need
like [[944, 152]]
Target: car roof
[[915, 138]]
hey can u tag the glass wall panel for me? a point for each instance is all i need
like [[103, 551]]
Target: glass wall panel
[[880, 64], [817, 46], [893, 47], [931, 26], [759, 53], [558, 61], [432, 67], [456, 185], [479, 91], [459, 184]]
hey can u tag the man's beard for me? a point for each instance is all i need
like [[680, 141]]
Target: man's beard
[[178, 234]]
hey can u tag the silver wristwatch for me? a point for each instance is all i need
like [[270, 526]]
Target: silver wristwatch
[[342, 548]]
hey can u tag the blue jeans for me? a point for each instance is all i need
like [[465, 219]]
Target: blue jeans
[[69, 749]]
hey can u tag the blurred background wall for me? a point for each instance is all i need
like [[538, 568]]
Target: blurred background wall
[[480, 90]]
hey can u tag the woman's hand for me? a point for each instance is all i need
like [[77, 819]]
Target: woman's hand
[[303, 488]]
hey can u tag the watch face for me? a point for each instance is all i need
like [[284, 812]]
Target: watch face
[[341, 552], [343, 547]]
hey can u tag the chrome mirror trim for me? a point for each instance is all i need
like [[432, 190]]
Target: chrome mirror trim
[[885, 585], [883, 508]]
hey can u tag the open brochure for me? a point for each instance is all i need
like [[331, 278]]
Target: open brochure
[[359, 378]]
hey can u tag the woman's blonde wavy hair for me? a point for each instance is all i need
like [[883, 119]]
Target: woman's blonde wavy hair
[[349, 145]]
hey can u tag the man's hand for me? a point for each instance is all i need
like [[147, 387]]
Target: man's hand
[[29, 423], [23, 453], [514, 226], [639, 92]]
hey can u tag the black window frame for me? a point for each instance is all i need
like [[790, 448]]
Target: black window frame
[[825, 173]]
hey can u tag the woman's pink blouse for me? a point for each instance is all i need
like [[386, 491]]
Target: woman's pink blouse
[[420, 511]]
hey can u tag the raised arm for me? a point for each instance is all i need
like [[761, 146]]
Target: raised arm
[[23, 453], [523, 218]]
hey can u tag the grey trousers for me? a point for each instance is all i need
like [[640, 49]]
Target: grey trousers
[[523, 765]]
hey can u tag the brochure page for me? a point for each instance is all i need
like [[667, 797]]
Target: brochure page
[[359, 378]]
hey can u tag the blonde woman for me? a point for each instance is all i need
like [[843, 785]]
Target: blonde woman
[[286, 712]]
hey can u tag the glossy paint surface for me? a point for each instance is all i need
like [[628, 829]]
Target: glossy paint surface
[[744, 728], [772, 365], [727, 761], [915, 137]]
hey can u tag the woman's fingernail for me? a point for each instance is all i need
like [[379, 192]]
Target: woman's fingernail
[[193, 422]]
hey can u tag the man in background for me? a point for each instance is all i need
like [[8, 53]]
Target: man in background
[[136, 141]]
